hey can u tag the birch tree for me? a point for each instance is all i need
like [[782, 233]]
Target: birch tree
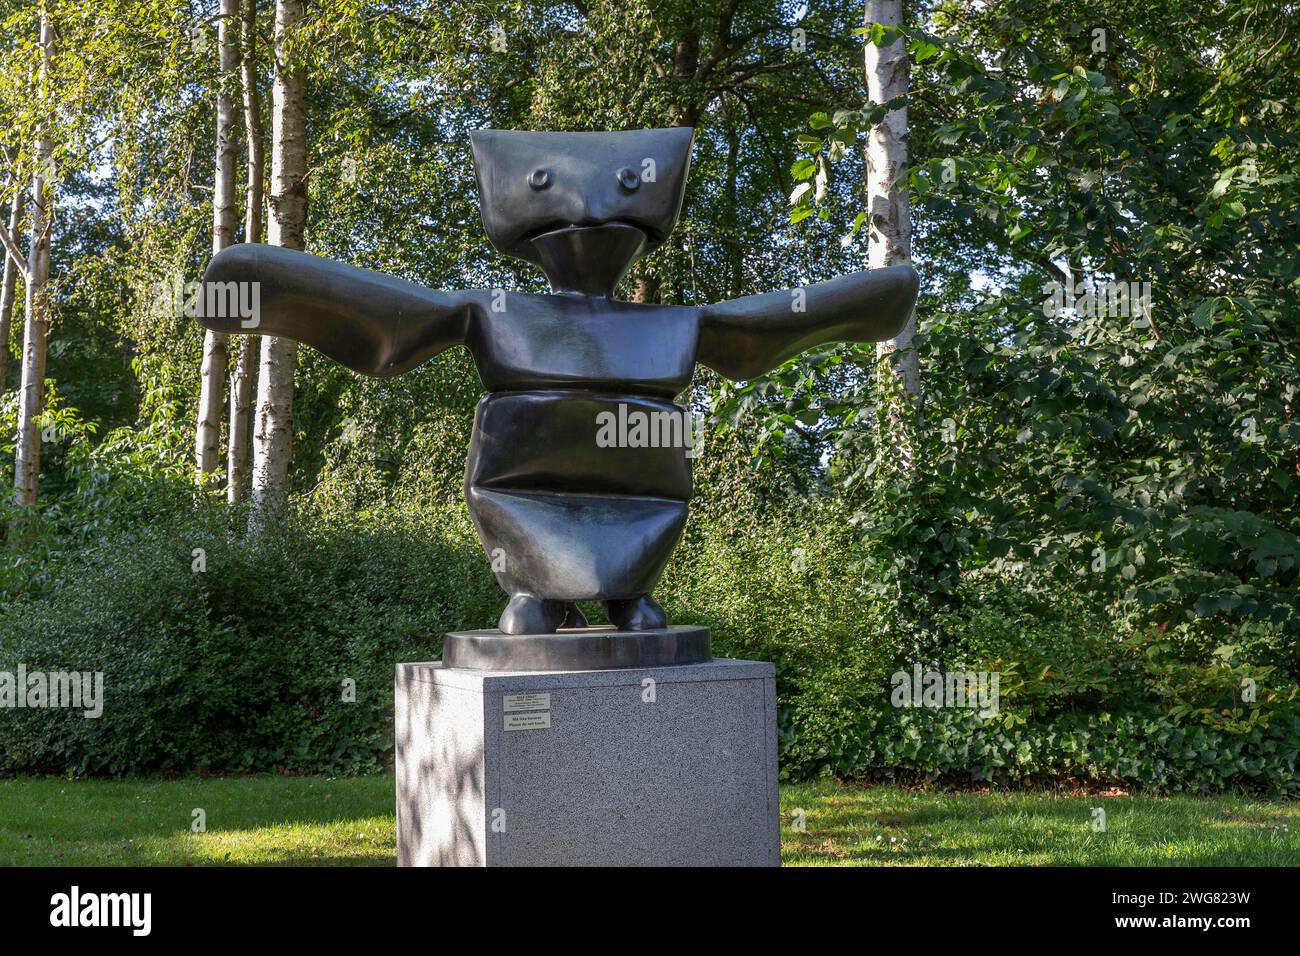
[[890, 217], [241, 377], [8, 287], [273, 435], [27, 449], [212, 379]]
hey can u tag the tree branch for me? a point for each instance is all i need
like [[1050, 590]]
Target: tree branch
[[722, 45], [15, 253]]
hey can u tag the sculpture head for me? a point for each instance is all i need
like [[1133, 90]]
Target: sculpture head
[[583, 206]]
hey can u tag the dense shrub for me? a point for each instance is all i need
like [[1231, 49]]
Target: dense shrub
[[1084, 694], [240, 666], [234, 657], [1156, 751]]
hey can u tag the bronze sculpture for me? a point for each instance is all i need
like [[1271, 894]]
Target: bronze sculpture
[[568, 519]]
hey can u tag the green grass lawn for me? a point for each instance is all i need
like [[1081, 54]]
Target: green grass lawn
[[320, 821]]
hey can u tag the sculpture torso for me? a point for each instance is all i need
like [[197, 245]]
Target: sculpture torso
[[570, 341], [570, 517]]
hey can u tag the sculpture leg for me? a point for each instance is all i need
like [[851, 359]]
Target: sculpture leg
[[526, 614], [638, 614], [573, 617]]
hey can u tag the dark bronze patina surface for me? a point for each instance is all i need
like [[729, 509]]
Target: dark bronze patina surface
[[581, 649], [563, 517]]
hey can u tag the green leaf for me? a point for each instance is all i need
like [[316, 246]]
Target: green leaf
[[803, 168]]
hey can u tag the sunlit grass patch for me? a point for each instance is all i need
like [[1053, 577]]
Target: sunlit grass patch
[[271, 820], [893, 826]]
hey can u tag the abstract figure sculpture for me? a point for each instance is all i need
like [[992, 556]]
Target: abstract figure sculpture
[[564, 518]]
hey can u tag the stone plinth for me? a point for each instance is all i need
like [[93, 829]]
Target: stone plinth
[[657, 766]]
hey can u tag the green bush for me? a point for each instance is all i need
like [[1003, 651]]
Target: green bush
[[1083, 695], [1155, 751], [240, 666]]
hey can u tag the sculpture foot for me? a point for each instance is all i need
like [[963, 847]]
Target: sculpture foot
[[638, 614], [573, 617], [526, 614]]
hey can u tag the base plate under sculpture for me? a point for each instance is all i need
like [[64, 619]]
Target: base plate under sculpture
[[661, 766], [576, 649]]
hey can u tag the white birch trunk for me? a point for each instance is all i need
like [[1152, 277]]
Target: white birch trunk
[[273, 435], [31, 401], [890, 215], [245, 371], [212, 379]]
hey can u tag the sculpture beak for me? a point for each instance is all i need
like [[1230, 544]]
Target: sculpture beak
[[588, 259]]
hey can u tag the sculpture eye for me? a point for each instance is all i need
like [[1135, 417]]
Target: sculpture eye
[[539, 178], [628, 179]]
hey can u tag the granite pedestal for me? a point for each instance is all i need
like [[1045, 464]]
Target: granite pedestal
[[654, 766]]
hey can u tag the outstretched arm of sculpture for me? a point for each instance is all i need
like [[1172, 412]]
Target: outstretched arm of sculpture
[[371, 322], [746, 337]]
